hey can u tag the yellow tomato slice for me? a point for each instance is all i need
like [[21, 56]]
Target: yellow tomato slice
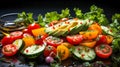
[[63, 52], [90, 34], [95, 26], [88, 43], [39, 32]]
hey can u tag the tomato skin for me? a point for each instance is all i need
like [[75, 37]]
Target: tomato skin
[[44, 36], [33, 26], [6, 40], [50, 51], [9, 50], [101, 39], [103, 51], [52, 41], [39, 41], [16, 35], [25, 31], [75, 39]]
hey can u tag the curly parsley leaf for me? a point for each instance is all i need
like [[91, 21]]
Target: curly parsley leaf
[[65, 13], [78, 13], [50, 16], [96, 14]]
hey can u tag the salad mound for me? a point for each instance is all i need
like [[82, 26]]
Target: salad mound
[[57, 37]]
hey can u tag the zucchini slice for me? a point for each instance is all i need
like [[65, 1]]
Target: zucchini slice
[[33, 51], [84, 53], [19, 43]]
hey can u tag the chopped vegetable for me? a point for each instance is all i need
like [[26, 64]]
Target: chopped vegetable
[[84, 53], [88, 43], [39, 32], [9, 50], [103, 51], [75, 39], [25, 18], [63, 52], [89, 34], [95, 26], [29, 41]]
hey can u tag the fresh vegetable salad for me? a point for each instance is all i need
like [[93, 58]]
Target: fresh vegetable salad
[[59, 36]]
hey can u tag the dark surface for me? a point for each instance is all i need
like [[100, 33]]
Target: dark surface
[[41, 7]]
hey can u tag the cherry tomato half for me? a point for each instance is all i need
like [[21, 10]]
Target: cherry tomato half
[[16, 35], [7, 40], [53, 41], [50, 51], [9, 50], [101, 39], [75, 39], [103, 51], [33, 26]]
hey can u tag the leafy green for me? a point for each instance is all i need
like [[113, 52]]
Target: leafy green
[[65, 13], [78, 13], [116, 17], [50, 16], [95, 14], [40, 20], [116, 23], [25, 18], [116, 44]]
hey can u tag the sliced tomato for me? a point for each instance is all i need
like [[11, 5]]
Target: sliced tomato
[[109, 39], [32, 27], [89, 34], [75, 39], [7, 40], [16, 35], [50, 51], [53, 41], [39, 41], [101, 39], [9, 50], [95, 26], [88, 43], [103, 51]]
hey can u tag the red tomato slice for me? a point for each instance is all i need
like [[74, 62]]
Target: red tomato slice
[[16, 35], [33, 26], [75, 39], [50, 51], [9, 50], [53, 41], [101, 39], [6, 40], [39, 41], [103, 51]]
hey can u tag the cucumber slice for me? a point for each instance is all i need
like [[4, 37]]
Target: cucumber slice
[[19, 43], [33, 51], [84, 53]]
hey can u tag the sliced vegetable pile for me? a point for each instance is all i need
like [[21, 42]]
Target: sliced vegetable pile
[[85, 37]]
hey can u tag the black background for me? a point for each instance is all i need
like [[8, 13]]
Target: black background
[[43, 6]]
